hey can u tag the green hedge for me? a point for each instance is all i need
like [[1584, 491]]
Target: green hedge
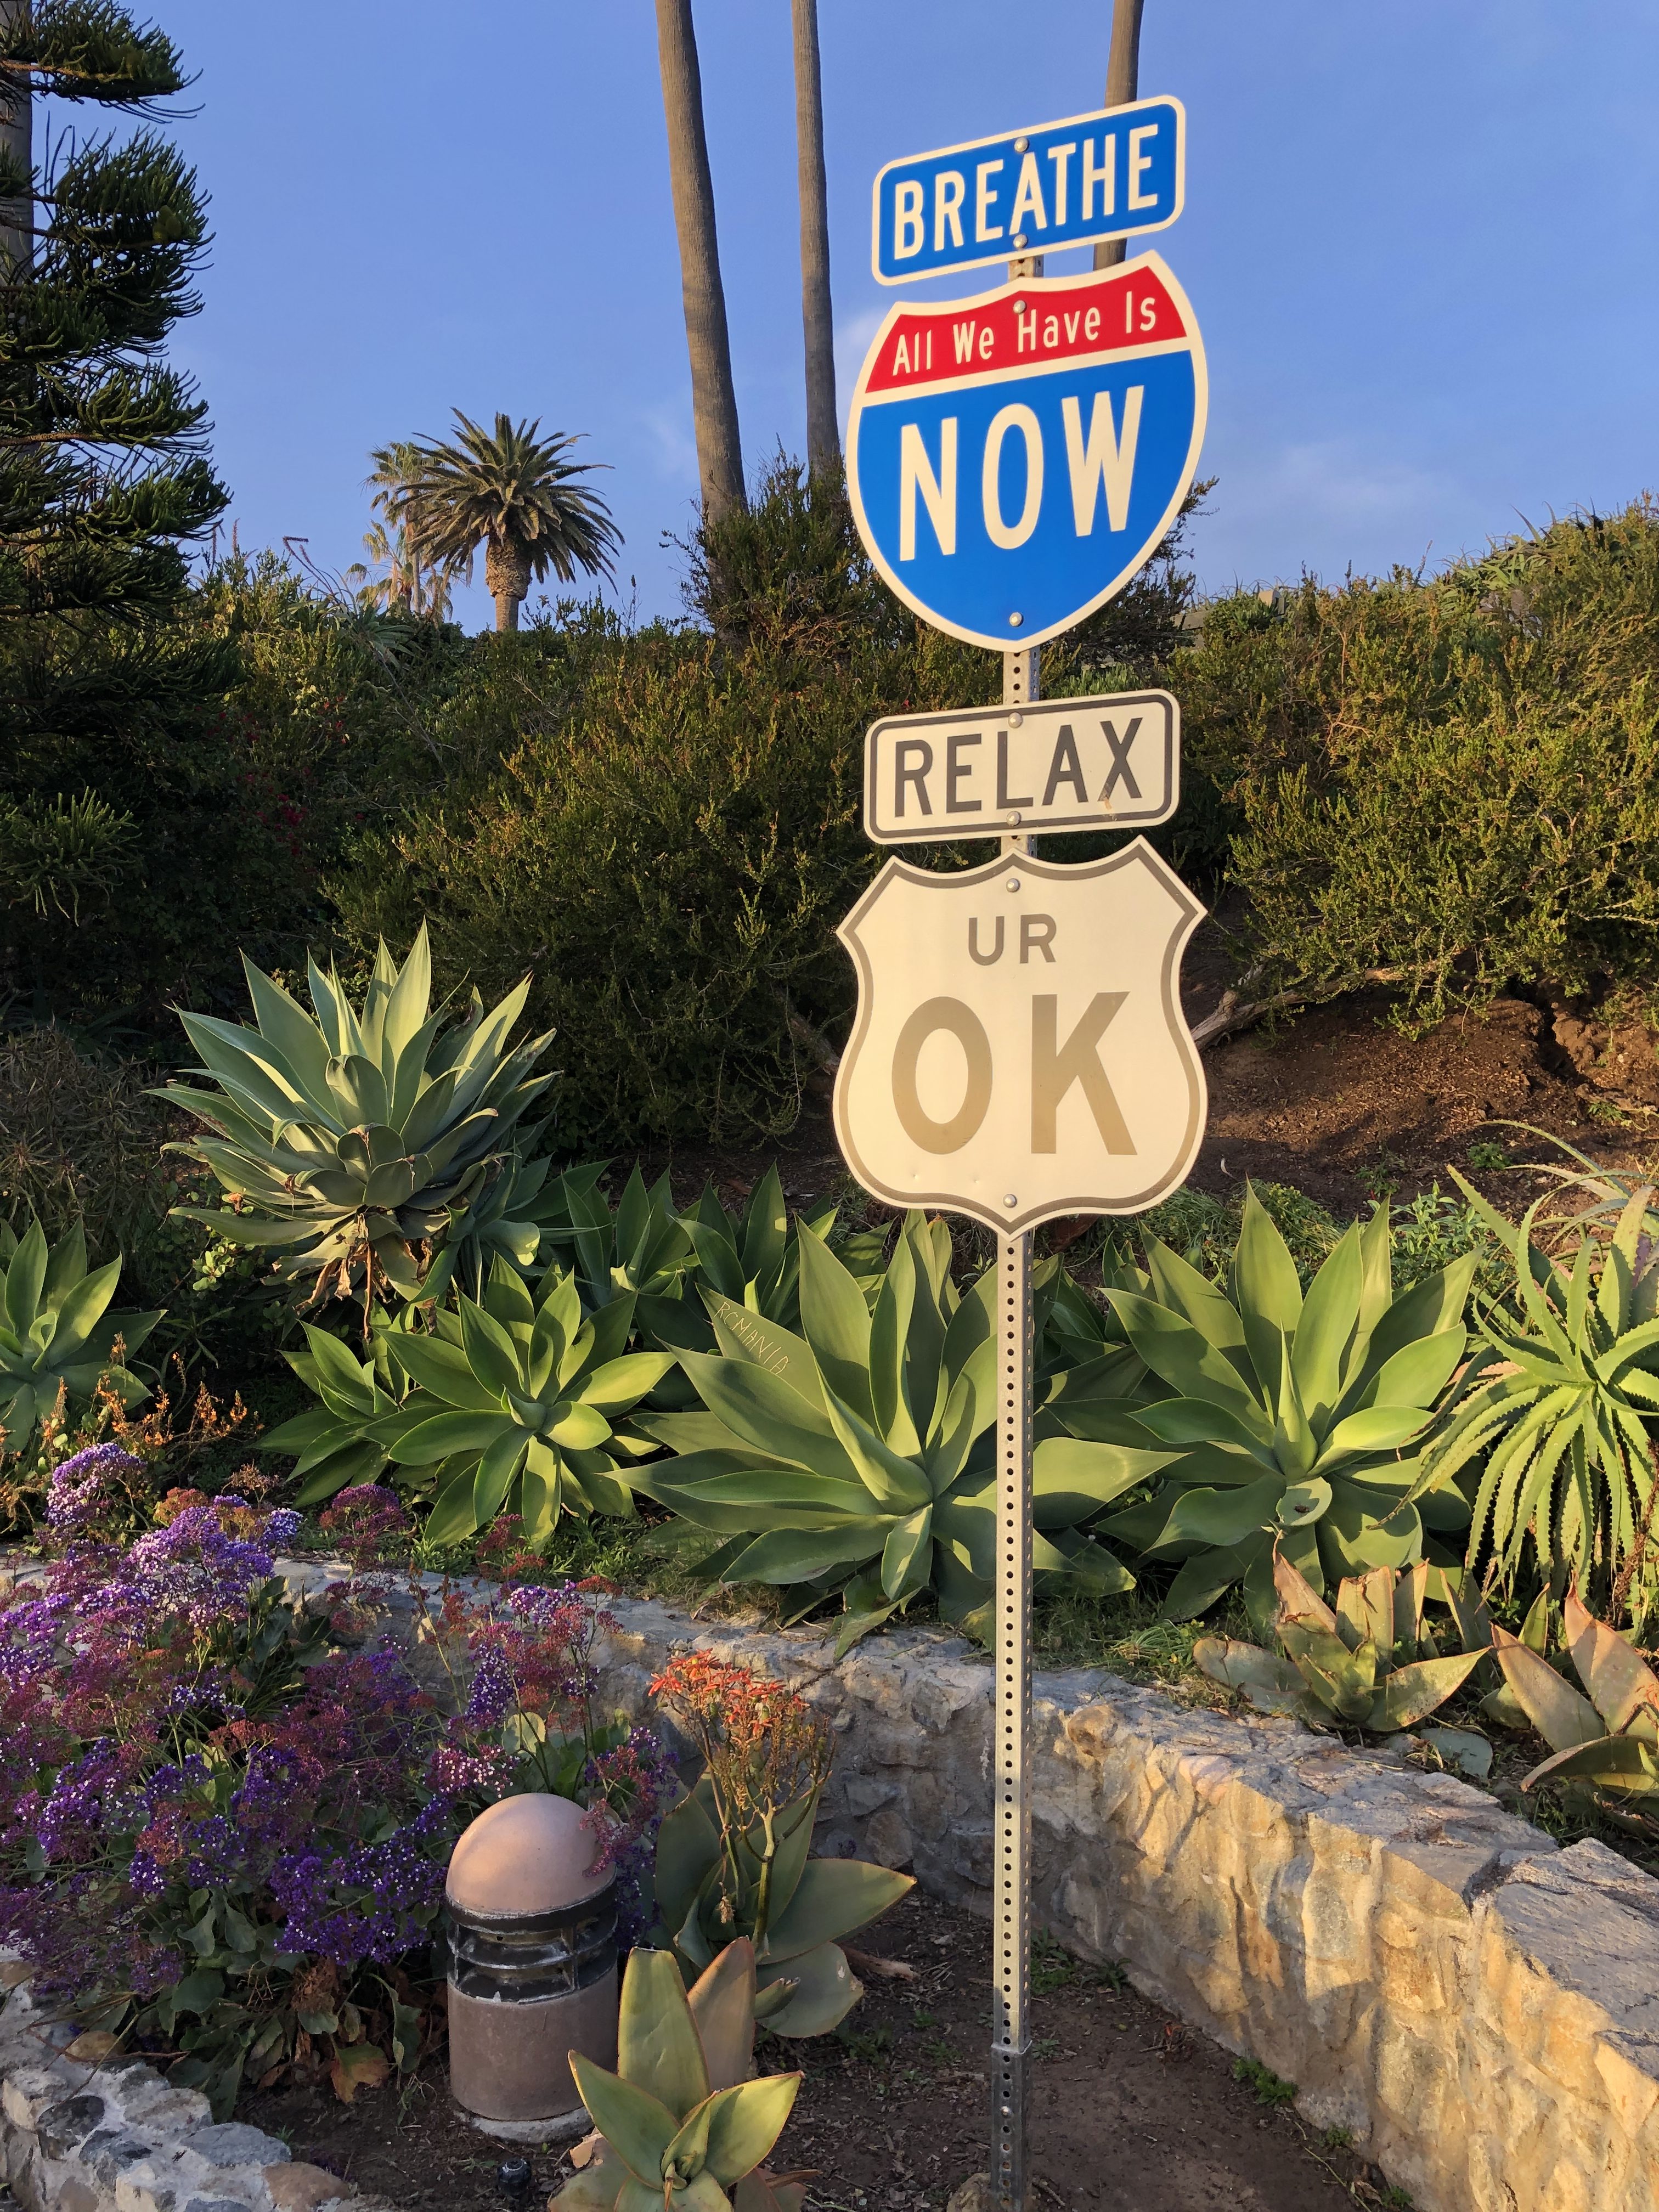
[[1454, 783], [673, 832]]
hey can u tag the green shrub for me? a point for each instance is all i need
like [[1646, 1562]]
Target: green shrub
[[672, 833], [1454, 784]]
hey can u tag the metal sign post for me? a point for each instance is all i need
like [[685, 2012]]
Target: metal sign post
[[1019, 1051], [1011, 1960]]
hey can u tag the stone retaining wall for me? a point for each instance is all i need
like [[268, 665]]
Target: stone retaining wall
[[80, 2136], [1480, 2008]]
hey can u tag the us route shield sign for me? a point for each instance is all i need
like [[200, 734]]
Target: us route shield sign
[[1020, 1051], [1013, 460]]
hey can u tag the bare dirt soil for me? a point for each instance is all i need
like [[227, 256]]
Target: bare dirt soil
[[1129, 2107]]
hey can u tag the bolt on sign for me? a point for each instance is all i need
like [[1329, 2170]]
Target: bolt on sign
[[1106, 762], [1013, 460], [1117, 174], [1019, 1051]]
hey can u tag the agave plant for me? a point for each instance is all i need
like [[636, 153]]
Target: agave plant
[[641, 1249], [362, 1143], [1605, 1745], [1564, 1426], [510, 1405], [1291, 1412], [58, 1335], [856, 1456], [1369, 1662], [336, 1443], [679, 2124]]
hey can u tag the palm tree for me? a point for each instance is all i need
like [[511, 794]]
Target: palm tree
[[713, 396], [514, 494], [396, 578], [822, 432], [1123, 85]]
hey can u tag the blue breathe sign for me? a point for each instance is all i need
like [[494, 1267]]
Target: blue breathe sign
[[1013, 460], [1115, 174]]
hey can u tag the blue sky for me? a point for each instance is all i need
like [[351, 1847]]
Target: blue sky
[[1420, 239]]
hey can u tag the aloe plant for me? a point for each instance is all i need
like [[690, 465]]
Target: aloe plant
[[1369, 1662], [1290, 1414], [856, 1456], [712, 1884], [640, 1250], [57, 1334], [510, 1404], [362, 1143], [1605, 1745], [679, 2125], [1563, 1427]]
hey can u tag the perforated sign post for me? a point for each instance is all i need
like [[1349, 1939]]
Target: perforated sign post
[[1019, 1051]]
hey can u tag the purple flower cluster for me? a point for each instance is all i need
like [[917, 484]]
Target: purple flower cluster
[[156, 1745], [494, 1692], [79, 1492], [372, 1903], [194, 1568]]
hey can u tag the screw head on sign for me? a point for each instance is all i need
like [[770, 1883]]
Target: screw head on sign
[[1011, 1199], [1019, 240], [1016, 721], [1019, 307], [1019, 145], [1013, 820], [1013, 883], [1014, 621]]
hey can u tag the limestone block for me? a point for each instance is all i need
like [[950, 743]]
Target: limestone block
[[30, 2090], [888, 1840], [298, 2187]]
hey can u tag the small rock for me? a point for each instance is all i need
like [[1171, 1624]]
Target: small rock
[[975, 2195], [108, 2151], [297, 2187], [233, 2142], [888, 1838], [75, 2196], [70, 2122]]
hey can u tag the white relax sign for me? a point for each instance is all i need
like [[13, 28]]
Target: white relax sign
[[1108, 763], [1020, 1051]]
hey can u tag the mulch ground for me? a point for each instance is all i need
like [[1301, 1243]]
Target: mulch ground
[[1129, 2107]]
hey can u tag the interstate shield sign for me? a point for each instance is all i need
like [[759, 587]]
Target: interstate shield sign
[[1013, 460], [1020, 1051]]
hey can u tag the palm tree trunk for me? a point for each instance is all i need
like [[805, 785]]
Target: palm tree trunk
[[713, 397], [16, 137], [1123, 85], [506, 579], [818, 318]]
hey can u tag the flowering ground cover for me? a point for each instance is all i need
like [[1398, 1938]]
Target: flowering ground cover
[[224, 1821]]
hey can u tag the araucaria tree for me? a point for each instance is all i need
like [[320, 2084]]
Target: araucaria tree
[[104, 481], [516, 494]]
